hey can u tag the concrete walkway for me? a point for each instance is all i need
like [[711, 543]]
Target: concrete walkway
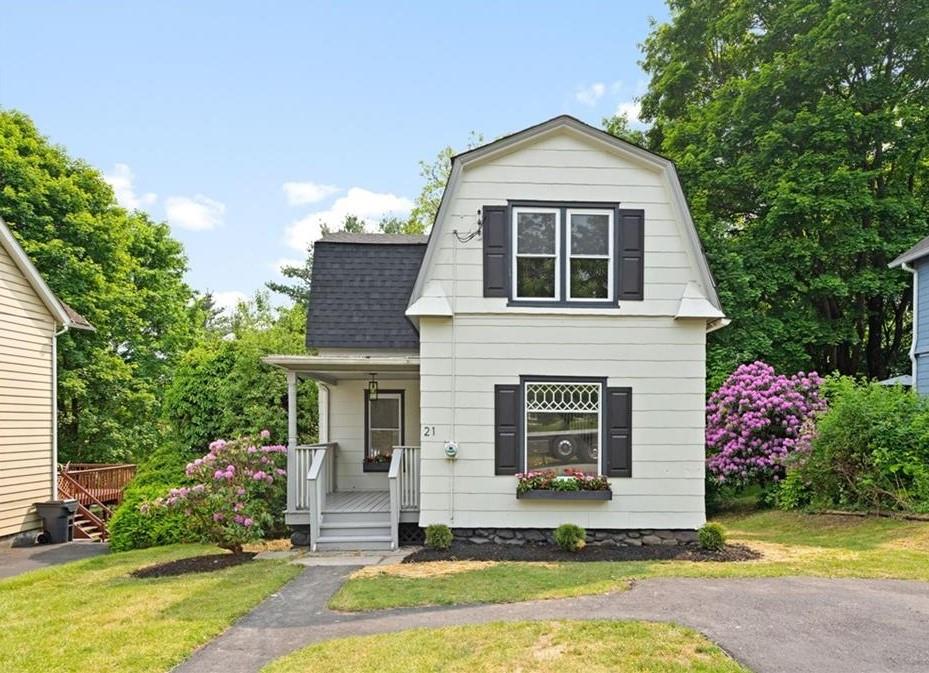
[[782, 625], [15, 561]]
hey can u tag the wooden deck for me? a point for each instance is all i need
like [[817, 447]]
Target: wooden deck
[[358, 501]]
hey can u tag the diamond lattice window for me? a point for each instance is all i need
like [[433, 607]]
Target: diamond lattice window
[[563, 397]]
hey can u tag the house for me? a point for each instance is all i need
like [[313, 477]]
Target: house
[[31, 318], [916, 261], [555, 318]]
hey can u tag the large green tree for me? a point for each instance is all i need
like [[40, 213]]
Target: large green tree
[[800, 130], [120, 270]]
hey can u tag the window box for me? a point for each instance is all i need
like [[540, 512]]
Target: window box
[[548, 494], [376, 467]]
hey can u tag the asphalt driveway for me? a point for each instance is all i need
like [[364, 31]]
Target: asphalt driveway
[[777, 625], [17, 560]]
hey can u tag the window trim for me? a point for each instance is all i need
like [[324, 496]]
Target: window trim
[[610, 256], [514, 257], [562, 266], [524, 420], [399, 393]]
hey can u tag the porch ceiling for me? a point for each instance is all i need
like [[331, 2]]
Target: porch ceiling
[[331, 369]]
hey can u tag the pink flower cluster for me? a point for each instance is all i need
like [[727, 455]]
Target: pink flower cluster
[[757, 419], [236, 483]]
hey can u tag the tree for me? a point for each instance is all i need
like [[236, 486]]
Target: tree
[[222, 389], [618, 125], [800, 131], [120, 270], [436, 176]]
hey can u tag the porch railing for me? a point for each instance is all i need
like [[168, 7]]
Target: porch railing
[[299, 462], [403, 485]]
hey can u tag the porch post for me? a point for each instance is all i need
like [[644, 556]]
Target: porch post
[[292, 475]]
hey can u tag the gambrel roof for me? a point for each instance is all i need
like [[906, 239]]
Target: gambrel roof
[[603, 139]]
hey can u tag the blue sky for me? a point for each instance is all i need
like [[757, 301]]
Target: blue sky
[[243, 124]]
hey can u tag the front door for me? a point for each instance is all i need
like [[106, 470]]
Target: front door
[[383, 428]]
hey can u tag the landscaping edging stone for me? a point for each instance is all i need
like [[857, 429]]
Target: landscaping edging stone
[[596, 537]]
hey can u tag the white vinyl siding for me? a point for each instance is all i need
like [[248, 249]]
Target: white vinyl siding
[[661, 359], [26, 422], [565, 167], [347, 427]]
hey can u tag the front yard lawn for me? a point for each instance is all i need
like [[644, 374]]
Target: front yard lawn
[[791, 544], [528, 647], [91, 617]]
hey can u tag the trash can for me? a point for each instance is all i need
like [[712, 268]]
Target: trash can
[[58, 519]]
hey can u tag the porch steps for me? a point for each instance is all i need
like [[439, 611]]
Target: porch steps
[[345, 530]]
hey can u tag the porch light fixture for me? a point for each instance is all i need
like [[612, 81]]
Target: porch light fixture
[[372, 387]]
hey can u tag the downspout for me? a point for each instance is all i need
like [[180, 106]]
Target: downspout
[[55, 410], [909, 268]]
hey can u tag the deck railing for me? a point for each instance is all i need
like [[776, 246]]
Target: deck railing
[[105, 482], [88, 505]]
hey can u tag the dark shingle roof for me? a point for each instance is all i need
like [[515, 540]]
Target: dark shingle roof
[[921, 249], [360, 287], [382, 239]]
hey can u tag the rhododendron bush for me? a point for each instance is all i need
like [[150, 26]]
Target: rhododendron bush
[[235, 486], [757, 420]]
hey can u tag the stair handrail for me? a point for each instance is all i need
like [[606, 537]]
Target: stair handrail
[[393, 485], [318, 480], [65, 482], [74, 489]]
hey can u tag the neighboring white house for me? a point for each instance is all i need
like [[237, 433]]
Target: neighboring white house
[[555, 319], [31, 316]]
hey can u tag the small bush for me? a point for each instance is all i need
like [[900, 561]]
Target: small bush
[[712, 537], [570, 537], [135, 528], [438, 536]]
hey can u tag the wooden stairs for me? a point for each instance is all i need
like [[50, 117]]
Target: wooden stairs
[[96, 491]]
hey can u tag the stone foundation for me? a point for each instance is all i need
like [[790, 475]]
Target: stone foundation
[[596, 537]]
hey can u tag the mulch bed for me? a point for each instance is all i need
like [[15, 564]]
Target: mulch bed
[[194, 564], [465, 551]]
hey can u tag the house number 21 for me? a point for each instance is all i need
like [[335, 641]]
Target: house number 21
[[428, 431]]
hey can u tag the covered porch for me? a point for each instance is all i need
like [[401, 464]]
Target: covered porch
[[353, 488]]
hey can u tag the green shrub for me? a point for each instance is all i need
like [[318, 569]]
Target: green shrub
[[570, 537], [870, 452], [712, 537], [134, 526], [438, 536]]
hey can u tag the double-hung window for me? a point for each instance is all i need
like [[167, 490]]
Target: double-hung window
[[563, 254]]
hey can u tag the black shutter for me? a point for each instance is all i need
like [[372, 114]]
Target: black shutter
[[631, 254], [495, 233], [506, 429], [619, 432]]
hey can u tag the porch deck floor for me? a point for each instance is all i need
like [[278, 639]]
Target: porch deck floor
[[358, 501]]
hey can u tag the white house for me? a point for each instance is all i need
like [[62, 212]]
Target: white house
[[554, 319]]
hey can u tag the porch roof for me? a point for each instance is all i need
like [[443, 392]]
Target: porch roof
[[332, 368]]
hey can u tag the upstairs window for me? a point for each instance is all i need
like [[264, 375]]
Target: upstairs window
[[563, 254], [537, 243]]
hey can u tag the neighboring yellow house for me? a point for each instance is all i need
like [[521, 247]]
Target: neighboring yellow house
[[31, 317]]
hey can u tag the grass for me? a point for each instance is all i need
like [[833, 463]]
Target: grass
[[528, 647], [91, 616], [792, 544]]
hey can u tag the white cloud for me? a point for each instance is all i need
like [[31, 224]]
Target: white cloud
[[300, 193], [197, 213], [122, 181], [632, 109], [228, 300], [364, 204], [589, 95]]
